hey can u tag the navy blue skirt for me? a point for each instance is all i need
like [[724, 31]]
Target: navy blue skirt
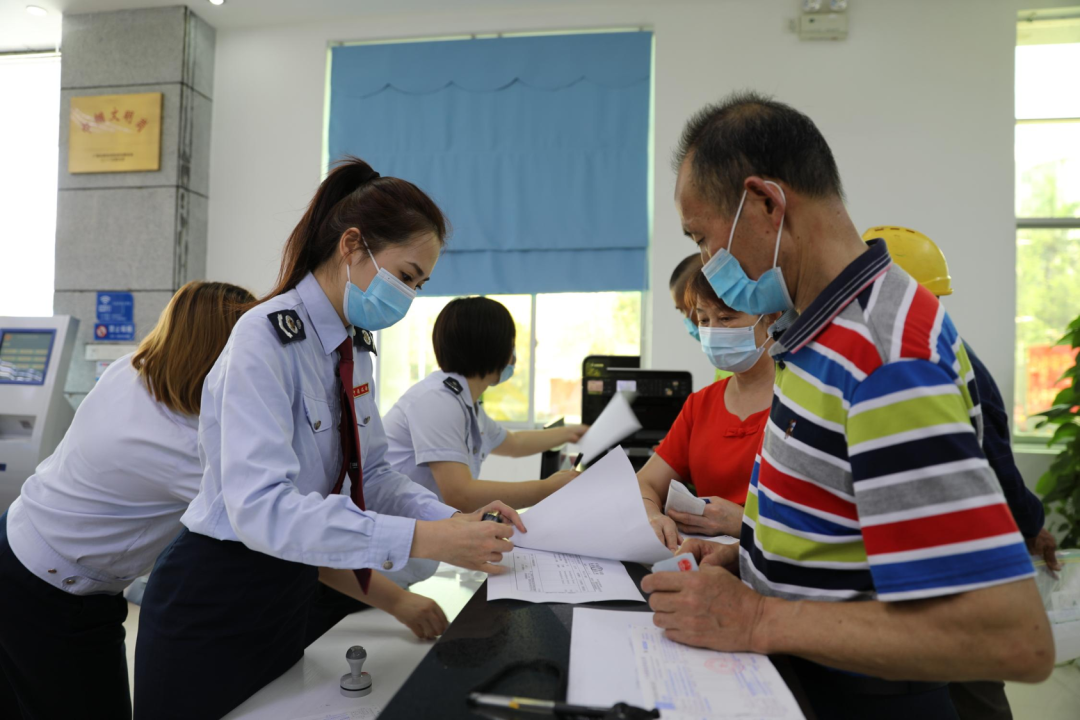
[[219, 621]]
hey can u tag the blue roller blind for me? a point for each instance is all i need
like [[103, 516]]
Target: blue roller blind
[[536, 148]]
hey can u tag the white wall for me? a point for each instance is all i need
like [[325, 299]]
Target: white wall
[[917, 105]]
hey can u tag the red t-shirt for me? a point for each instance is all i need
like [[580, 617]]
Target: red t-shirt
[[713, 448]]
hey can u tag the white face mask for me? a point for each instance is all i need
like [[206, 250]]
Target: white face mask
[[732, 349]]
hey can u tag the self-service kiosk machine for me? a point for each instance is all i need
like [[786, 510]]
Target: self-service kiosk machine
[[35, 354]]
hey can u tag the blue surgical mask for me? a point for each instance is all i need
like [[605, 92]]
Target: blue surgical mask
[[385, 302], [767, 294], [506, 374], [731, 349], [691, 327]]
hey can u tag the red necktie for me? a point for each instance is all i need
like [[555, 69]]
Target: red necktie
[[350, 442]]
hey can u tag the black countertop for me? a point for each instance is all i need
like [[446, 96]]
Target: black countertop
[[487, 637]]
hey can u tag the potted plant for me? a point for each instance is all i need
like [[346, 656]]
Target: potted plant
[[1060, 485]]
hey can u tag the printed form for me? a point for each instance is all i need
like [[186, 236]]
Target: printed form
[[620, 656], [539, 576], [686, 683]]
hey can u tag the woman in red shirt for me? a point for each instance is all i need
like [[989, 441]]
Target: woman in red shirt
[[716, 436]]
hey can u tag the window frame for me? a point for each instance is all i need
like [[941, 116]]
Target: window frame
[[530, 423], [1032, 440]]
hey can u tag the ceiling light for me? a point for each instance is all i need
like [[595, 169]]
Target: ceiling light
[[217, 2], [36, 11]]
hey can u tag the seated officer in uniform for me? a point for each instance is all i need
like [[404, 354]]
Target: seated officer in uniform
[[438, 431]]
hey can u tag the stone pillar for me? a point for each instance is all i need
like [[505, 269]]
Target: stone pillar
[[138, 232]]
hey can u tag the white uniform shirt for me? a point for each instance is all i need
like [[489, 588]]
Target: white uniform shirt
[[268, 435], [99, 510], [433, 422]]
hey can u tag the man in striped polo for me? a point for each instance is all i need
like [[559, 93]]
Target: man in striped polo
[[877, 547]]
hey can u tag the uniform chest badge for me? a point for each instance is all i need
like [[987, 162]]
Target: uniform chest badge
[[288, 326], [361, 390], [453, 384]]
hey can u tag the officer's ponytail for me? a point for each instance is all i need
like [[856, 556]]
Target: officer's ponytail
[[388, 210]]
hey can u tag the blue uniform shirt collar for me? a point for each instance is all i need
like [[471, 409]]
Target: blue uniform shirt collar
[[324, 318], [466, 393], [836, 296]]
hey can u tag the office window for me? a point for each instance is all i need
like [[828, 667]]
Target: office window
[[1047, 205], [555, 331], [29, 136]]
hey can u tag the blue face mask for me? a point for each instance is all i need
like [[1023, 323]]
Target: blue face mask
[[508, 371], [731, 349], [691, 328], [767, 294], [385, 302], [506, 374]]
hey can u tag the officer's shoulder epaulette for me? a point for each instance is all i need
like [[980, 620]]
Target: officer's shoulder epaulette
[[363, 340], [453, 385], [288, 326]]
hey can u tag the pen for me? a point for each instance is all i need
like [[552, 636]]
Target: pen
[[494, 516], [621, 710], [577, 460]]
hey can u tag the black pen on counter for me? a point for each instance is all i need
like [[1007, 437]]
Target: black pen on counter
[[621, 710]]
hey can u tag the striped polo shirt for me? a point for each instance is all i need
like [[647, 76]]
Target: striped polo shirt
[[871, 481]]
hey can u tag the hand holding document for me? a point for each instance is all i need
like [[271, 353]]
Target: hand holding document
[[618, 656], [538, 576], [680, 499], [616, 423], [599, 515]]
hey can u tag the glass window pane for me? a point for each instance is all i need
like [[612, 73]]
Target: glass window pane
[[570, 326], [29, 143], [1048, 299], [1048, 169], [1047, 83], [509, 402], [405, 352]]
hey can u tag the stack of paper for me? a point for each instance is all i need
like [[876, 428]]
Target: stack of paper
[[538, 576], [576, 537], [680, 499], [599, 514], [616, 423]]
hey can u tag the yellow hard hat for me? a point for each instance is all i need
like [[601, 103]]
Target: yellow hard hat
[[917, 255]]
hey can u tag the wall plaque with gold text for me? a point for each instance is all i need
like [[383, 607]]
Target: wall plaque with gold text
[[115, 133]]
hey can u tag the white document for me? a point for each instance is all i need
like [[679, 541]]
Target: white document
[[687, 683], [616, 423], [618, 656], [722, 539], [539, 576], [599, 514], [682, 500], [601, 658]]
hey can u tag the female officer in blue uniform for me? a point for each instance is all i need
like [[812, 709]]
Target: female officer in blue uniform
[[438, 431], [287, 423], [96, 513]]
